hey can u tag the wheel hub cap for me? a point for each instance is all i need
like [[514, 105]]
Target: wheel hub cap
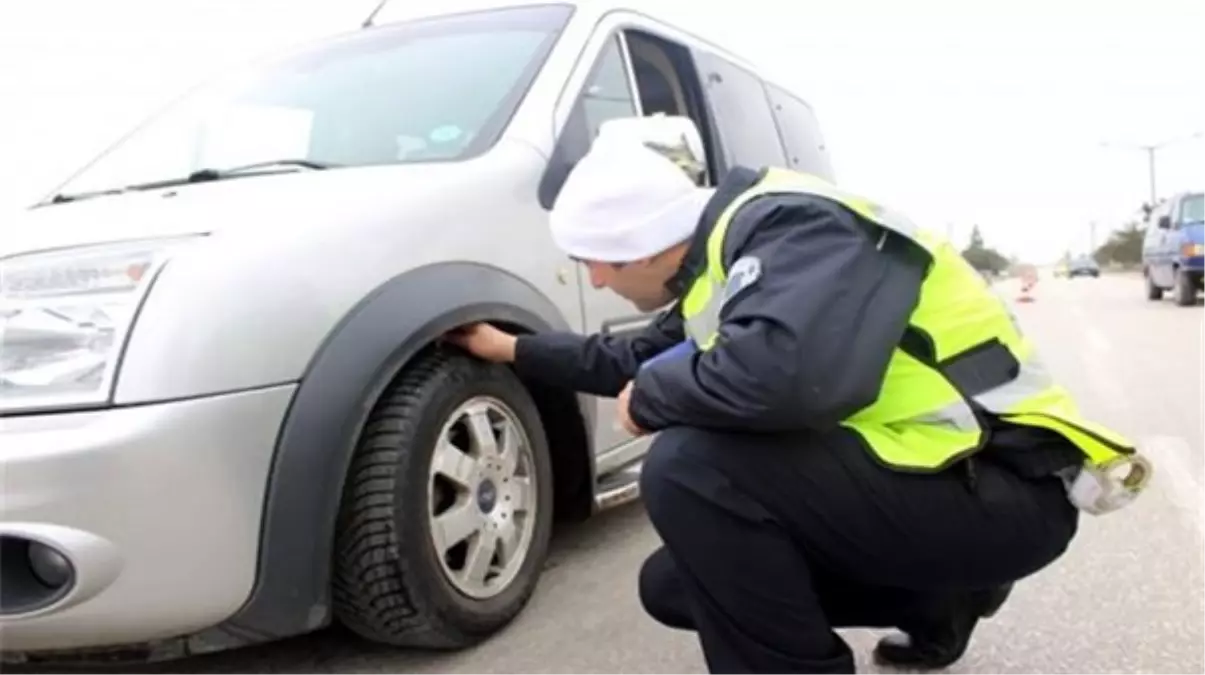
[[487, 496]]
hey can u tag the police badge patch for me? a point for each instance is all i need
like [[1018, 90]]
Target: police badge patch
[[743, 274]]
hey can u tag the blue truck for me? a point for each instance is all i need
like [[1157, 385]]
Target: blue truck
[[1172, 248]]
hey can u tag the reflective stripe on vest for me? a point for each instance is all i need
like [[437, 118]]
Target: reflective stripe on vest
[[922, 419], [702, 324]]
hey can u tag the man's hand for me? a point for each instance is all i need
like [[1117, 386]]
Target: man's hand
[[485, 342], [621, 411]]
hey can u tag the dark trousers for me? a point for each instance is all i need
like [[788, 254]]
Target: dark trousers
[[772, 541]]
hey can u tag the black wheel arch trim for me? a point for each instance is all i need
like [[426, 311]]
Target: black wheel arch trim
[[348, 373]]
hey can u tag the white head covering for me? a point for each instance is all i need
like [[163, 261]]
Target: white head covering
[[625, 201]]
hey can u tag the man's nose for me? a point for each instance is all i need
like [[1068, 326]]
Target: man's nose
[[596, 278]]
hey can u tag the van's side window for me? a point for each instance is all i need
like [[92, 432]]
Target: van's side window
[[608, 95], [667, 83], [1175, 212], [742, 112], [800, 133], [657, 79]]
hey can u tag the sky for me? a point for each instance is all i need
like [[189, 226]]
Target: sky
[[1020, 116]]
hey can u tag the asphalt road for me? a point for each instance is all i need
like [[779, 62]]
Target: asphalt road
[[1126, 598]]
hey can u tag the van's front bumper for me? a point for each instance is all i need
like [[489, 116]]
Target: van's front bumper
[[156, 508], [1194, 263]]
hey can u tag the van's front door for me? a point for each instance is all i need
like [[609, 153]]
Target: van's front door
[[1162, 247]]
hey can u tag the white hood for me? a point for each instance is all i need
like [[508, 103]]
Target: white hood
[[289, 203]]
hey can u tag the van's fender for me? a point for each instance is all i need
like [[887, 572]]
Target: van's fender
[[347, 375]]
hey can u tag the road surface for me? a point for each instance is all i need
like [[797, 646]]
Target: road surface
[[1126, 598]]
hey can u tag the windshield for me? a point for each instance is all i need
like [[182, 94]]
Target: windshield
[[439, 89], [1192, 209]]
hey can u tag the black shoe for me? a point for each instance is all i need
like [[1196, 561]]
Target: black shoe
[[939, 647]]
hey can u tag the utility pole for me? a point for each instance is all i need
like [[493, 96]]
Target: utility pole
[[1150, 163], [1092, 239], [1150, 150]]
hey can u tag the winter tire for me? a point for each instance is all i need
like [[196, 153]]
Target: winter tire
[[1186, 289], [447, 508]]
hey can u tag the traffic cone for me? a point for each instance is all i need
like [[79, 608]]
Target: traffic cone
[[1026, 295]]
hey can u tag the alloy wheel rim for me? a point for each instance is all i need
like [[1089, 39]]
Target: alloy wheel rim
[[482, 497]]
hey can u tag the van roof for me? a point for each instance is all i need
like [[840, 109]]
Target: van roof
[[394, 11]]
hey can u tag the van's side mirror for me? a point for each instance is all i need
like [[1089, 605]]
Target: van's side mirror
[[674, 136], [1165, 223]]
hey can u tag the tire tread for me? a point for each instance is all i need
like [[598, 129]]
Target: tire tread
[[376, 591]]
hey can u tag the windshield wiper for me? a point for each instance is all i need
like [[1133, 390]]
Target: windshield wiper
[[198, 176], [63, 199], [203, 175]]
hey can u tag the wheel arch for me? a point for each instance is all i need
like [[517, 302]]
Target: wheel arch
[[361, 356]]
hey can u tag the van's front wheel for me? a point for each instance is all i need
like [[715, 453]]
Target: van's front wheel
[[1186, 289], [447, 509]]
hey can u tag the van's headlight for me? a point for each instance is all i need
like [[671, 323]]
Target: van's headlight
[[64, 317]]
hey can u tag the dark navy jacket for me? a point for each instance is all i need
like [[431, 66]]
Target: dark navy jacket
[[804, 346]]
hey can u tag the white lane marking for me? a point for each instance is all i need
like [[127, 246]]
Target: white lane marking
[[1099, 369], [1174, 471], [1096, 340], [1097, 357]]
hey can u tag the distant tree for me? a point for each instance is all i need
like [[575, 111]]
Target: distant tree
[[983, 258], [976, 239], [1124, 247]]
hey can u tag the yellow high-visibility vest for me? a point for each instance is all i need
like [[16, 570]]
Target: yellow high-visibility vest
[[922, 421]]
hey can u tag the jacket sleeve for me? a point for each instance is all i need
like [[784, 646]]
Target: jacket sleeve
[[804, 344], [599, 364]]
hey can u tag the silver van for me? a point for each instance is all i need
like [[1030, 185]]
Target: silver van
[[226, 416]]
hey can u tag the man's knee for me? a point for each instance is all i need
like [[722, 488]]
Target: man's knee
[[661, 591]]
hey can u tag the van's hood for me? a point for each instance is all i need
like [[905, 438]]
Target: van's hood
[[288, 202], [1194, 231]]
